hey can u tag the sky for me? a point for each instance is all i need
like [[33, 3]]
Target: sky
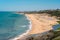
[[28, 5]]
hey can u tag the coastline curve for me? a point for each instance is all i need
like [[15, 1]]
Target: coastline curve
[[20, 37]]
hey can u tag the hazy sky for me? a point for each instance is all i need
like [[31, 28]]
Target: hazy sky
[[28, 5]]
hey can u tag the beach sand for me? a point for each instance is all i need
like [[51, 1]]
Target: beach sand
[[41, 23]]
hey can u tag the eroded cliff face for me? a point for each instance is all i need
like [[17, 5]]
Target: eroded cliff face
[[50, 35], [43, 36]]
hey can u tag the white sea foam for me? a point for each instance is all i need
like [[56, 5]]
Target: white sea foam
[[23, 26], [24, 34]]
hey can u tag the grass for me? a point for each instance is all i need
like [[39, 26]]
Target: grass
[[58, 28], [58, 22], [56, 35], [57, 38]]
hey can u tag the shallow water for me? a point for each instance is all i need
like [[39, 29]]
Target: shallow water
[[12, 24], [56, 26]]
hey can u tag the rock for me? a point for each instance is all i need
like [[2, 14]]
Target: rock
[[46, 36]]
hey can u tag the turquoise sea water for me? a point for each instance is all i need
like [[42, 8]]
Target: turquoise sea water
[[12, 24]]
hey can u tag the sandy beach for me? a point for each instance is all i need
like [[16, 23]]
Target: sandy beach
[[41, 23]]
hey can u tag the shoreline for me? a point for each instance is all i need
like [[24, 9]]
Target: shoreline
[[19, 37], [37, 25], [42, 24]]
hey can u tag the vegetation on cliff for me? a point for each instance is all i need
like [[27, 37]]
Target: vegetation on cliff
[[58, 22], [52, 12], [50, 35], [55, 12], [58, 28]]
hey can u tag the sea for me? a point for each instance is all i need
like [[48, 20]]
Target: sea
[[12, 24]]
